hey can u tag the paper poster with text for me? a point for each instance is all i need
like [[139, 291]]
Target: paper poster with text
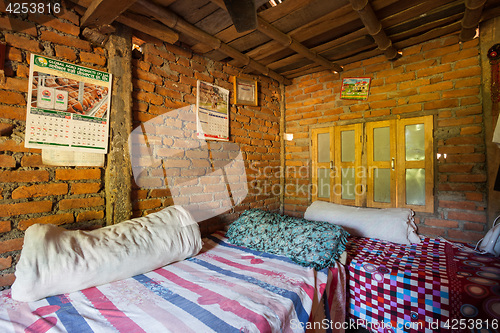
[[68, 106], [212, 116]]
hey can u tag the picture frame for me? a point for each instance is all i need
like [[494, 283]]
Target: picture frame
[[245, 91], [355, 88]]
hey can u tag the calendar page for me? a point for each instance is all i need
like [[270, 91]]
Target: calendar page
[[212, 117], [68, 106]]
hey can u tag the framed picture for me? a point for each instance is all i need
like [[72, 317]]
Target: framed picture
[[355, 88], [245, 91]]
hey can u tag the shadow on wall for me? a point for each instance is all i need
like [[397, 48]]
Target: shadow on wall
[[207, 178]]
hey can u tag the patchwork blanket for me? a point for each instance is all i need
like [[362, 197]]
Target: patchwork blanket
[[434, 286]]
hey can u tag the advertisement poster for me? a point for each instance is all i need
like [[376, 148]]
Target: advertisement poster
[[355, 88], [68, 106], [212, 116]]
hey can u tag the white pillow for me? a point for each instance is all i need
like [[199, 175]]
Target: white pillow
[[395, 225], [55, 260]]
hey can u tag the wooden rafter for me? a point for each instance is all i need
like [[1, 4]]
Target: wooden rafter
[[104, 12], [175, 22], [374, 27], [287, 41], [472, 16], [150, 27]]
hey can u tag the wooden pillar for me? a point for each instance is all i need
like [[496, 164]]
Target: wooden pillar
[[490, 35], [118, 173], [282, 148]]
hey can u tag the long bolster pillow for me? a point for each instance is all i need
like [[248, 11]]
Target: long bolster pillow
[[55, 260], [391, 224]]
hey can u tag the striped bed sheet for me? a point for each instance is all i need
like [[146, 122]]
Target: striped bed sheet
[[225, 288]]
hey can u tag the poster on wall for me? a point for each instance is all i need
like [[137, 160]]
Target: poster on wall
[[212, 116], [355, 88], [68, 106]]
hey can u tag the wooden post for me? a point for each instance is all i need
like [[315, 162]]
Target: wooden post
[[118, 173]]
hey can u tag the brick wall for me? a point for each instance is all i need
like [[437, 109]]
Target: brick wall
[[177, 168], [442, 78], [31, 192], [164, 81]]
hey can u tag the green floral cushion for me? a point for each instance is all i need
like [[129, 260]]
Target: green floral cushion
[[308, 243]]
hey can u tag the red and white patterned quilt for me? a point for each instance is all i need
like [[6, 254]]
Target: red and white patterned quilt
[[225, 288], [434, 286]]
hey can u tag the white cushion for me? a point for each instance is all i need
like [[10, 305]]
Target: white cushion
[[395, 225], [55, 260]]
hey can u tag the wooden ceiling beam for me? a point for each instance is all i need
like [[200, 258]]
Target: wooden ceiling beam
[[287, 41], [176, 22], [104, 12], [148, 26], [374, 27], [472, 16]]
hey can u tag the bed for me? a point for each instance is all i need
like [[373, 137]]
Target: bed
[[224, 288], [431, 286], [401, 282]]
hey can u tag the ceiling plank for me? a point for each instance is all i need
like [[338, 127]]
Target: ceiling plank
[[104, 12], [173, 21], [374, 27], [287, 41]]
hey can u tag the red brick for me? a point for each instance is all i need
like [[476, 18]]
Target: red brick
[[10, 245], [147, 76], [13, 112], [55, 219], [474, 178], [5, 262], [18, 84], [40, 190], [32, 161], [465, 205], [31, 207], [441, 223], [456, 122], [5, 226], [7, 161], [469, 130], [7, 279], [474, 196], [147, 204], [77, 174], [11, 97], [65, 40], [85, 188], [65, 52], [23, 43], [66, 204], [10, 23], [471, 217], [28, 176], [55, 23], [89, 216], [442, 104], [92, 58]]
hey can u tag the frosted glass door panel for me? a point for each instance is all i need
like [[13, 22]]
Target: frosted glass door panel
[[382, 185], [415, 142], [415, 187], [348, 183], [381, 144], [348, 146], [323, 147], [323, 183]]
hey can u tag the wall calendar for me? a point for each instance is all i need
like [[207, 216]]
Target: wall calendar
[[68, 106]]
